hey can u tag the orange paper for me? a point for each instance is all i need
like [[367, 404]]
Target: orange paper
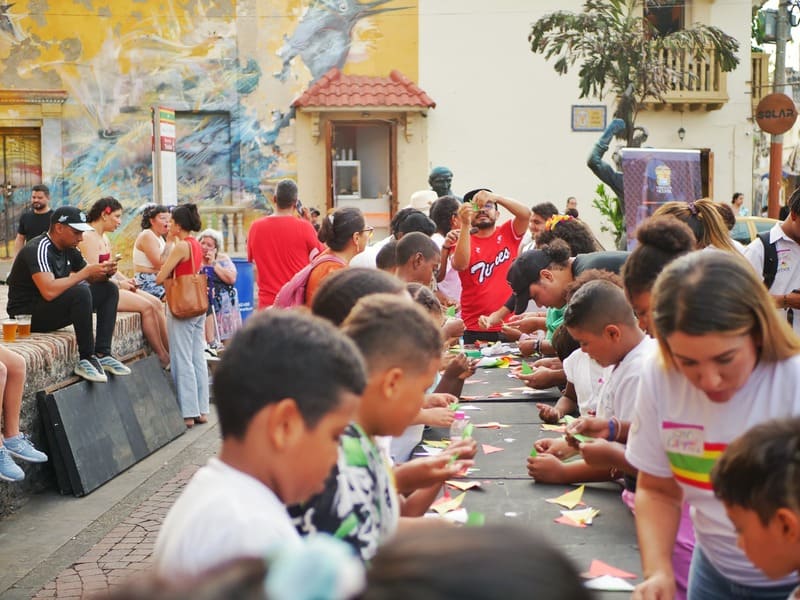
[[598, 568]]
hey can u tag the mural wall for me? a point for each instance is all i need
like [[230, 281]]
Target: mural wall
[[230, 68]]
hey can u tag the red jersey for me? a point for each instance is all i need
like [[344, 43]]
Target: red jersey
[[279, 246], [484, 288]]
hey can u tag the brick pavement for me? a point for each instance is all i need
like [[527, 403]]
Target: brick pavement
[[125, 551]]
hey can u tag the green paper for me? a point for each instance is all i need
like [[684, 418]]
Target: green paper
[[467, 432], [475, 519], [581, 438], [451, 311], [453, 459], [454, 406], [526, 369], [473, 354], [346, 527], [534, 452], [475, 206]]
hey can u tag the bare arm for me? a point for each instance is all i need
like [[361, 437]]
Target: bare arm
[[460, 257], [520, 212], [658, 513], [19, 242], [180, 252], [225, 269], [51, 288], [149, 245]]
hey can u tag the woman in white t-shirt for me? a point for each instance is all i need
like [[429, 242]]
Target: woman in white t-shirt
[[728, 363]]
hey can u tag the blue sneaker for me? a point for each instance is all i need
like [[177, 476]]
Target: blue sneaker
[[20, 447], [112, 365], [9, 470], [86, 369]]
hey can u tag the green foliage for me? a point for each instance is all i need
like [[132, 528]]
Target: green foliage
[[617, 47], [611, 208]]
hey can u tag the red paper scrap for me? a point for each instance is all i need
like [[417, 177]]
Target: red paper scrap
[[598, 568], [570, 522]]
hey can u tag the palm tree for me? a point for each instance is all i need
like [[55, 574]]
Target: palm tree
[[620, 51]]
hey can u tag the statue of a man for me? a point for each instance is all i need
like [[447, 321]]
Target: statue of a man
[[440, 180]]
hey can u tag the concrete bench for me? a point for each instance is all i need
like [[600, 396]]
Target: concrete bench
[[51, 358]]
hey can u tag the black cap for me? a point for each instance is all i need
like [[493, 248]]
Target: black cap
[[523, 272], [469, 195], [72, 216]]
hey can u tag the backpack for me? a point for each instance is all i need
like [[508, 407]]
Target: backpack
[[770, 259], [293, 292]]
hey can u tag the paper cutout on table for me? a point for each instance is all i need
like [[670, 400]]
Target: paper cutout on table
[[567, 419], [431, 450], [510, 514], [436, 443], [492, 425], [582, 516], [598, 568], [469, 398], [460, 516], [471, 381], [463, 485], [526, 369], [490, 362], [470, 407], [445, 504], [509, 440], [569, 500], [555, 428], [607, 583], [454, 406], [487, 449], [467, 433], [451, 311], [566, 521], [475, 519], [495, 395], [521, 388]]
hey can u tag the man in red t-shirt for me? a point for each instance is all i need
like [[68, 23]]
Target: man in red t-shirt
[[482, 256], [280, 244]]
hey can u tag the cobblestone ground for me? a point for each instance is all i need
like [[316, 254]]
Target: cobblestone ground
[[126, 550]]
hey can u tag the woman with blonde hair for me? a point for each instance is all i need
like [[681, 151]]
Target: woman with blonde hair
[[728, 363], [704, 220]]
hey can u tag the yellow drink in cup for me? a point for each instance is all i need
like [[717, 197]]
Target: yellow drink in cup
[[23, 326], [9, 330]]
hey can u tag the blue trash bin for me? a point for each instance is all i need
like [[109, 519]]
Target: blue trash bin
[[245, 287]]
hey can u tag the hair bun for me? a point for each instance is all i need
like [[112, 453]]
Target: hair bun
[[666, 233]]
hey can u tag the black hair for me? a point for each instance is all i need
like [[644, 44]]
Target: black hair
[[387, 256], [151, 211], [413, 243], [422, 295], [187, 216], [337, 229], [314, 212], [794, 202], [286, 194], [735, 196], [544, 210], [661, 240], [400, 216], [558, 252], [442, 212], [392, 331], [563, 343], [760, 470], [416, 222], [596, 304], [99, 207], [439, 563], [572, 212], [268, 361], [726, 212], [339, 292], [40, 187], [576, 233]]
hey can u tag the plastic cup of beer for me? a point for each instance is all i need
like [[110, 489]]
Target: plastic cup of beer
[[10, 330], [24, 326]]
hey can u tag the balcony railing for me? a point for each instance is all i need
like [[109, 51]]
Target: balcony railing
[[230, 221], [759, 78], [698, 83]]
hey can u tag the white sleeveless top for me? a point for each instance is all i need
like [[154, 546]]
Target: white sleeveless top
[[140, 258]]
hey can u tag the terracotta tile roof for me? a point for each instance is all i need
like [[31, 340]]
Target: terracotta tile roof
[[335, 89]]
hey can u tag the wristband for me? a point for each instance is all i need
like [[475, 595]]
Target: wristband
[[612, 430], [537, 348]]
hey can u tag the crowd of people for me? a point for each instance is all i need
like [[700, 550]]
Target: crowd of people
[[679, 361]]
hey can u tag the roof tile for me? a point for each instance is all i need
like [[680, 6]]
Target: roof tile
[[335, 89]]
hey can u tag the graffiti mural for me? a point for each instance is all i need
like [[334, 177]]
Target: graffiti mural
[[230, 83]]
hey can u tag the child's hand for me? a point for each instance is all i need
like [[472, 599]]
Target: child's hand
[[600, 453], [511, 333], [589, 426], [465, 449], [526, 347], [427, 471], [558, 447], [549, 414], [453, 328], [546, 468], [549, 362], [438, 399], [438, 416], [658, 585], [459, 368]]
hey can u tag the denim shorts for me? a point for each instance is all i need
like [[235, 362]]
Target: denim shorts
[[147, 283]]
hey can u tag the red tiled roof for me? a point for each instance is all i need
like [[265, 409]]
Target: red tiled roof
[[335, 89]]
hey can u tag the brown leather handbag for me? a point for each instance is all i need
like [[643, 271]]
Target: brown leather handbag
[[187, 295]]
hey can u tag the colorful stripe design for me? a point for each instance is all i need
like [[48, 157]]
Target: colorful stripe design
[[696, 470]]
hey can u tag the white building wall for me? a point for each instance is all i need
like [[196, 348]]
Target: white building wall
[[502, 118]]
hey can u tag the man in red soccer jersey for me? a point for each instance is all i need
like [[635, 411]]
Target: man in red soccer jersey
[[482, 256]]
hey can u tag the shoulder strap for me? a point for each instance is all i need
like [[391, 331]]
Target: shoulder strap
[[770, 268]]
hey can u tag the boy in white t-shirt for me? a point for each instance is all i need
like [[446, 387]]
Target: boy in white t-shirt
[[280, 432], [599, 317], [758, 480]]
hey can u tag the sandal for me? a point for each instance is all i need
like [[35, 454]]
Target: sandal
[[189, 422], [201, 419]]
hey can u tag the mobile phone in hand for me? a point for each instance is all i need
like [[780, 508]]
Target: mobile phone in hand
[[299, 207]]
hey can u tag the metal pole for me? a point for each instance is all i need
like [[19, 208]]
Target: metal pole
[[157, 189], [779, 83]]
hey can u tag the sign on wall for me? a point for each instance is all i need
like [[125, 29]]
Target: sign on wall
[[165, 175], [588, 118]]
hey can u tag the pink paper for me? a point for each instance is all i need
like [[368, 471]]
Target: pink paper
[[570, 522], [487, 449], [598, 568]]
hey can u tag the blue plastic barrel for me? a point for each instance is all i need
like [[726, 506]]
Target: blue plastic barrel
[[245, 287]]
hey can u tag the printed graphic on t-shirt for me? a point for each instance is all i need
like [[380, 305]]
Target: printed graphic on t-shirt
[[485, 269], [691, 458], [783, 260]]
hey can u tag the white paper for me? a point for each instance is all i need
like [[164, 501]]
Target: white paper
[[608, 583]]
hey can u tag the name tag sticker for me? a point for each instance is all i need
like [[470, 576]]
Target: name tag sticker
[[684, 438]]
